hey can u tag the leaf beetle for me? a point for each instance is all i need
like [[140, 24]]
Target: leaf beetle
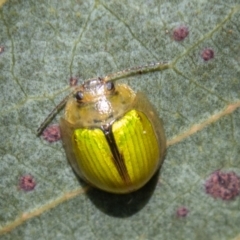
[[112, 136]]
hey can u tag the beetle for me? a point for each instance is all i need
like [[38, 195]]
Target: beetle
[[112, 136]]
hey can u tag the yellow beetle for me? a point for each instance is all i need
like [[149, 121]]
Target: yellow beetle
[[112, 136]]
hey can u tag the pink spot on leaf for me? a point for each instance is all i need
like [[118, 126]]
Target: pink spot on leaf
[[52, 133], [180, 33], [182, 212], [27, 183], [223, 185], [207, 54]]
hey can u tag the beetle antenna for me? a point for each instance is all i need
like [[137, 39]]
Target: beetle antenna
[[53, 113], [137, 70]]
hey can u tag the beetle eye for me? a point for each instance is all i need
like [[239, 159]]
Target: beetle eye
[[79, 96], [110, 86]]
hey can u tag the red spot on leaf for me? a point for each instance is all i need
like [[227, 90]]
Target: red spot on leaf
[[27, 183], [223, 185], [207, 54], [52, 133], [182, 212], [180, 33]]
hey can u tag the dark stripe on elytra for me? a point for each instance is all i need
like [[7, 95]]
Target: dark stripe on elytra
[[118, 159]]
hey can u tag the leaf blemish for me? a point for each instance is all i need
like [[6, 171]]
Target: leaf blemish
[[207, 54], [27, 183], [52, 133], [182, 212], [180, 33], [223, 185]]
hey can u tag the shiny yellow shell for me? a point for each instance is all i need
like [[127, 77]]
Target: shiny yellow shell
[[113, 138]]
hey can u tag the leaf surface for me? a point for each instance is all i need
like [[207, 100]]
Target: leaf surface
[[47, 42]]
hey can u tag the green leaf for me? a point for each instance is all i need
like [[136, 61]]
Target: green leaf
[[47, 42]]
